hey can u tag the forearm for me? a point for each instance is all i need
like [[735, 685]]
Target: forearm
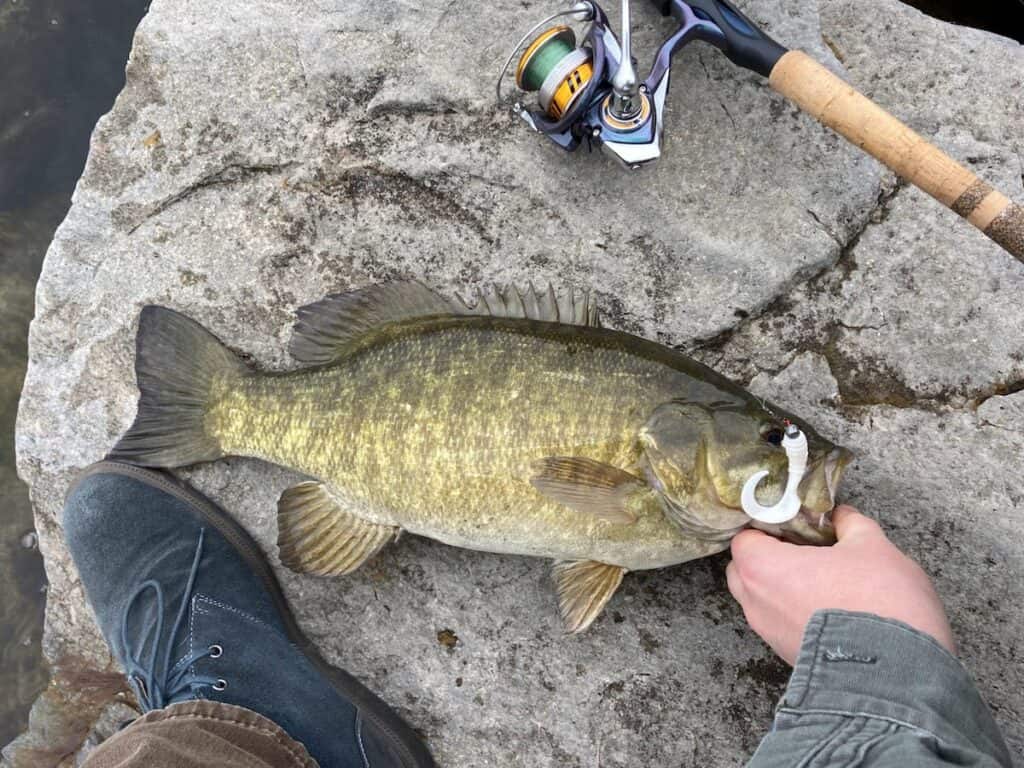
[[867, 691]]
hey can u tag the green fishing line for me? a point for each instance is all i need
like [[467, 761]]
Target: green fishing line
[[543, 60]]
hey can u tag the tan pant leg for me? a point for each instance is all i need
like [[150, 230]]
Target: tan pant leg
[[196, 734]]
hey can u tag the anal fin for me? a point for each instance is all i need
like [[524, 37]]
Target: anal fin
[[584, 588], [316, 535]]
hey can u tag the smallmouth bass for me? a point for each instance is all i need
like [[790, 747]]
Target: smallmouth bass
[[517, 425]]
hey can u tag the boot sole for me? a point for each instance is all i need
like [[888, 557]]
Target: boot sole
[[370, 706]]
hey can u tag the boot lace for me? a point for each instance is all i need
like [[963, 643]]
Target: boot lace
[[158, 686]]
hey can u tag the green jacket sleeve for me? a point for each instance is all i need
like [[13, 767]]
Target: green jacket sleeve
[[876, 693]]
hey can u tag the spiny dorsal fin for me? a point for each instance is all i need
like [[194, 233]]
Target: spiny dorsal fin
[[584, 588], [326, 327], [571, 307], [316, 535], [588, 486]]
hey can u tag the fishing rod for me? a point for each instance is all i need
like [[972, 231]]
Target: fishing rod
[[590, 91]]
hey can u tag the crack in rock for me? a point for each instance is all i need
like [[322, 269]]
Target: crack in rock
[[999, 390], [131, 216], [432, 108], [417, 196], [843, 265]]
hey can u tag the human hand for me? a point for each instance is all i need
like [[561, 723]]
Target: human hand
[[779, 585]]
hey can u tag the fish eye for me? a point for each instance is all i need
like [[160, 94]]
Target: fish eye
[[772, 434]]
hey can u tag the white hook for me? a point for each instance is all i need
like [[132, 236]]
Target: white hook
[[788, 507]]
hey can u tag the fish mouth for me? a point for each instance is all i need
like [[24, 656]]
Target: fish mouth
[[819, 522], [812, 525], [835, 464]]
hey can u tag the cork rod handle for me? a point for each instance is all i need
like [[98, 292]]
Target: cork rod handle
[[852, 115]]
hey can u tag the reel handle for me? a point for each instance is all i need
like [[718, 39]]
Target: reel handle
[[851, 114]]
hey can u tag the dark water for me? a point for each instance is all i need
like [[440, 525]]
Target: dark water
[[1004, 17], [61, 65]]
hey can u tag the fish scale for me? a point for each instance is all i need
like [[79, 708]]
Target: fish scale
[[517, 425], [436, 430]]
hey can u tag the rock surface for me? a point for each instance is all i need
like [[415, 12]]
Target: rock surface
[[267, 153]]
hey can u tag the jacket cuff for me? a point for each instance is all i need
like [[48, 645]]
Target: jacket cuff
[[859, 664]]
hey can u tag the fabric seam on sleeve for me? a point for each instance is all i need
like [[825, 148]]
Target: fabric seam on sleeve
[[845, 730], [869, 715]]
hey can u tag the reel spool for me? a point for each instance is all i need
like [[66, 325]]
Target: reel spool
[[557, 69]]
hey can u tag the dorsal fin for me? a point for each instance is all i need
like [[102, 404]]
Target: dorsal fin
[[571, 307], [326, 327]]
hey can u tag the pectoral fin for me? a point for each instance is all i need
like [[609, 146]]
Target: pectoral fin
[[588, 486], [584, 588], [316, 535]]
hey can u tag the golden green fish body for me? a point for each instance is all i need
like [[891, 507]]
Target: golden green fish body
[[434, 426], [514, 425]]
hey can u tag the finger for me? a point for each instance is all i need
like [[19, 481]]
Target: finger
[[732, 578], [754, 554], [849, 523], [751, 542]]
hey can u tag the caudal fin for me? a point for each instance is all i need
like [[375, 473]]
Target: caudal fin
[[177, 362]]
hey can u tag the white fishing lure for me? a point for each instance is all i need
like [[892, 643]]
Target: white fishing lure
[[788, 507]]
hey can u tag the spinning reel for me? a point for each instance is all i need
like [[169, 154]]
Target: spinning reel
[[591, 90], [588, 89]]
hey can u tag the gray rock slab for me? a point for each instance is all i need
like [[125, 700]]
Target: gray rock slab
[[264, 154]]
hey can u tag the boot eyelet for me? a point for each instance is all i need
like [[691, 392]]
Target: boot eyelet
[[216, 651], [220, 685]]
